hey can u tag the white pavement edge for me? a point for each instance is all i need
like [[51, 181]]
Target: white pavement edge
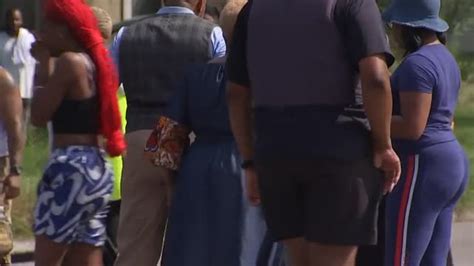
[[23, 246]]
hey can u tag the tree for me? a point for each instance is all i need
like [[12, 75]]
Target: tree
[[456, 12]]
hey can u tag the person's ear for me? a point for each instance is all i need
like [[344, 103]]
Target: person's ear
[[201, 8]]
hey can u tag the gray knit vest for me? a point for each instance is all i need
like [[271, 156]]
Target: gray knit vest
[[296, 55], [153, 56]]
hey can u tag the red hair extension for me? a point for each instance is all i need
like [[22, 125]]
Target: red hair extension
[[80, 20]]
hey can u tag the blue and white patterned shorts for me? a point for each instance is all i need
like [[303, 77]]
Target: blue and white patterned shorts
[[73, 196]]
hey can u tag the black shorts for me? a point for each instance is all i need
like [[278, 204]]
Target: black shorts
[[332, 202]]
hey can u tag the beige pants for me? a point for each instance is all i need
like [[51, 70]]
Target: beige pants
[[143, 212], [4, 169]]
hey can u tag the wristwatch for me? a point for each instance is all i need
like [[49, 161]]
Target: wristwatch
[[16, 170], [247, 164]]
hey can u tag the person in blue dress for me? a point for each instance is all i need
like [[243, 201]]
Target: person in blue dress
[[211, 222], [419, 211]]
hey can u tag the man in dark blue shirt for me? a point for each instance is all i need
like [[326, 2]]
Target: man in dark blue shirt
[[321, 122]]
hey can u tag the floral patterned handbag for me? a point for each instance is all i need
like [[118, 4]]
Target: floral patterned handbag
[[167, 143]]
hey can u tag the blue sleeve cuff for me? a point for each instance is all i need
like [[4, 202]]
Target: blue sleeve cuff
[[219, 47], [115, 47]]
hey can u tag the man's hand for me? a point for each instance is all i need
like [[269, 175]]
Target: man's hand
[[11, 116], [377, 96], [387, 161], [12, 186], [251, 183]]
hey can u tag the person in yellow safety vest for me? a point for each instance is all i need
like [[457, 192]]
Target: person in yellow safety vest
[[110, 249], [117, 163]]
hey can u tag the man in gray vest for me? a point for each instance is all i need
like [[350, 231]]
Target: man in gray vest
[[151, 56], [321, 157]]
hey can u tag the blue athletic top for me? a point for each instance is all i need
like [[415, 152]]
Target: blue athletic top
[[432, 69]]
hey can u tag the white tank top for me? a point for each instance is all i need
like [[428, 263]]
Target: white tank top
[[3, 141]]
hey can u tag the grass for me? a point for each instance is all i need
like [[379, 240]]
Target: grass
[[464, 129], [35, 158], [37, 151]]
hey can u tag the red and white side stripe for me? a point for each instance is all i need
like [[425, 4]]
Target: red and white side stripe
[[404, 211]]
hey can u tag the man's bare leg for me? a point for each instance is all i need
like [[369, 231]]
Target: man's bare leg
[[298, 251], [331, 255]]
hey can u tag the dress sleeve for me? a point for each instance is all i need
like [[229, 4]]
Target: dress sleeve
[[115, 49], [219, 47], [177, 108]]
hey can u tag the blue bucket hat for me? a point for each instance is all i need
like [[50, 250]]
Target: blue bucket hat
[[416, 13]]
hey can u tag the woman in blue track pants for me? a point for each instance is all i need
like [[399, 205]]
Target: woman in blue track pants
[[419, 212]]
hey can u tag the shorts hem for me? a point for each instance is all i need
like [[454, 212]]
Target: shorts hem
[[279, 238], [343, 241], [95, 244], [330, 240], [52, 239], [71, 242]]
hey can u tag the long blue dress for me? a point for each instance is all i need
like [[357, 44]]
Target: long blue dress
[[211, 222]]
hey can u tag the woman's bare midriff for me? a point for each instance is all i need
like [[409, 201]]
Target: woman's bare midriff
[[65, 140]]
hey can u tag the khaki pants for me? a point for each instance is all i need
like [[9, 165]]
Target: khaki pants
[[4, 170], [143, 212]]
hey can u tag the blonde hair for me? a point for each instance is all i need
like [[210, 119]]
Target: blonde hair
[[229, 16], [104, 22]]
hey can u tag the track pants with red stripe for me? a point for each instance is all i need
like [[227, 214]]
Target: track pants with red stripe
[[419, 212]]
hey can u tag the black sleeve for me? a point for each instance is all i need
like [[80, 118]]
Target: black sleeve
[[362, 29], [237, 58]]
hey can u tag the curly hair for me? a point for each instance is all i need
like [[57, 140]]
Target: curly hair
[[104, 21], [81, 22]]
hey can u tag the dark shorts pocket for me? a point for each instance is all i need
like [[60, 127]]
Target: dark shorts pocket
[[326, 201]]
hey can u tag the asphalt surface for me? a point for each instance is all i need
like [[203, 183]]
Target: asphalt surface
[[463, 245]]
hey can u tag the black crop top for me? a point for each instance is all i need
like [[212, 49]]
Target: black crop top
[[78, 116]]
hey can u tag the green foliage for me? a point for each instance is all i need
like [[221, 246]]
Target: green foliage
[[35, 158], [455, 12], [383, 3], [466, 63], [464, 129]]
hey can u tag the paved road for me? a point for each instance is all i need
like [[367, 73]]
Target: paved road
[[463, 245]]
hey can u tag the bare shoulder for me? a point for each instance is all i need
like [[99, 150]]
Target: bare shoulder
[[6, 80], [71, 57], [9, 94], [70, 63]]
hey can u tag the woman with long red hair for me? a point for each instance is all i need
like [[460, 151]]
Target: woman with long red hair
[[78, 95]]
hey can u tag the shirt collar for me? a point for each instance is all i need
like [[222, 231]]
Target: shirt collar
[[174, 10]]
